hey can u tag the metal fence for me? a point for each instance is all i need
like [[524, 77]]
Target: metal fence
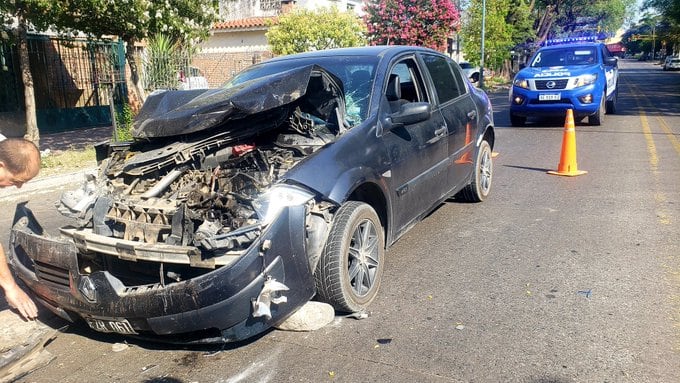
[[75, 81]]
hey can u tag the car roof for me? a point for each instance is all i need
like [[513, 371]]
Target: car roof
[[376, 50]]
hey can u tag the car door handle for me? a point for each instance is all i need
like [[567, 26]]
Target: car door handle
[[441, 132], [472, 114]]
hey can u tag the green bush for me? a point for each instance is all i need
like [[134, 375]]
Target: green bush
[[124, 118]]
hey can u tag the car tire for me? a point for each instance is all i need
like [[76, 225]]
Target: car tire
[[516, 120], [351, 266], [611, 104], [598, 118], [480, 185]]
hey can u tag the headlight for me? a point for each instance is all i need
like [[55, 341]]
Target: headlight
[[522, 83], [269, 204], [585, 79]]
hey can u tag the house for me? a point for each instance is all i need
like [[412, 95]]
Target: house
[[239, 41]]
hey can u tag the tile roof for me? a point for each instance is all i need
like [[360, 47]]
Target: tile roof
[[246, 23]]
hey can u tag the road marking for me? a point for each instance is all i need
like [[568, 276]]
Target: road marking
[[669, 134], [663, 217]]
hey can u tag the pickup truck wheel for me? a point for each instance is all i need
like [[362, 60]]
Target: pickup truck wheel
[[598, 118], [516, 120], [611, 104], [480, 186], [351, 265]]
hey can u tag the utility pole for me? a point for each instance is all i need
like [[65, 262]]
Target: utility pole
[[481, 60]]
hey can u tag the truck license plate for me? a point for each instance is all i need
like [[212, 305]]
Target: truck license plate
[[120, 326], [549, 97]]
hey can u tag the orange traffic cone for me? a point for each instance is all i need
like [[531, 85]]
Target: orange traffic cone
[[567, 166]]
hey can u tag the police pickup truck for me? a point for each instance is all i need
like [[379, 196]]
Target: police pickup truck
[[566, 74]]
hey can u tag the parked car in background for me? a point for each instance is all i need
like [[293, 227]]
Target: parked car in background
[[235, 206], [192, 79], [471, 71], [671, 63], [577, 74]]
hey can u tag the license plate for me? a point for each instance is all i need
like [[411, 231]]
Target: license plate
[[549, 97], [120, 326]]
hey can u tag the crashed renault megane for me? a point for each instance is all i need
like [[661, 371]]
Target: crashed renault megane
[[233, 207]]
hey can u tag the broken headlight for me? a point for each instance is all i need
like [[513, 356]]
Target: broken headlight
[[269, 204]]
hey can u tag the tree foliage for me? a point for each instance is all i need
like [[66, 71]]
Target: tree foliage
[[186, 21], [305, 30], [668, 20], [411, 22], [507, 23], [513, 23], [562, 17]]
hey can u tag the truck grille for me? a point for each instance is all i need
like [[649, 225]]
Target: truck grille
[[559, 84]]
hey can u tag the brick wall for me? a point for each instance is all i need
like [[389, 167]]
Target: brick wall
[[220, 67]]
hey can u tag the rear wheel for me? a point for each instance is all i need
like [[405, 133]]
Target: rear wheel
[[598, 118], [351, 266], [480, 186]]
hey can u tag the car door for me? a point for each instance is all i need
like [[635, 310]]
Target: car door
[[611, 72], [417, 152], [460, 115]]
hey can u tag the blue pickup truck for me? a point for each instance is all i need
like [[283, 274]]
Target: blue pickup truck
[[566, 74]]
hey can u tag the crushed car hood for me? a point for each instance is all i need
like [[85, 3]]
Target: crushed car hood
[[174, 113]]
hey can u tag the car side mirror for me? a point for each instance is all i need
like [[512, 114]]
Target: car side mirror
[[411, 113], [611, 61]]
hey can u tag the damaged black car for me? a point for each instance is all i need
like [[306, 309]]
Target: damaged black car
[[233, 207]]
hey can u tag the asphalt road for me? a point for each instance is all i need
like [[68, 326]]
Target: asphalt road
[[551, 280]]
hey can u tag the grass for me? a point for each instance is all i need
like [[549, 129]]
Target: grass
[[67, 161]]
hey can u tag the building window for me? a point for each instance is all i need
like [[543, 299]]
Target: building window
[[270, 5]]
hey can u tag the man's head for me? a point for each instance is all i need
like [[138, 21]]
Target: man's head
[[19, 162]]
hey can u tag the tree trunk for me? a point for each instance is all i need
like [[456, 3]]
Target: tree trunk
[[32, 133], [134, 73]]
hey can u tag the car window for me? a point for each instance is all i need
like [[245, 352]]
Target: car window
[[459, 75], [445, 84], [565, 57], [411, 85]]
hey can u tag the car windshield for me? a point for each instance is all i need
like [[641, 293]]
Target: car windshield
[[357, 74], [564, 57]]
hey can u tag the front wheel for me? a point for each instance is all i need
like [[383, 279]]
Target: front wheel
[[516, 120], [480, 186], [611, 104], [351, 266], [598, 118]]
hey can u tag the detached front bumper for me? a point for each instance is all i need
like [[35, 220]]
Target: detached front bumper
[[531, 106], [216, 306]]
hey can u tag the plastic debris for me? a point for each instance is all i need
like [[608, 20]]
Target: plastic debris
[[359, 315], [270, 294], [118, 347], [586, 293]]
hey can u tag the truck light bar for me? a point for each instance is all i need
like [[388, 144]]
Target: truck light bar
[[569, 40]]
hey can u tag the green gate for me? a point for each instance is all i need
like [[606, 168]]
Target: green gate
[[75, 81]]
